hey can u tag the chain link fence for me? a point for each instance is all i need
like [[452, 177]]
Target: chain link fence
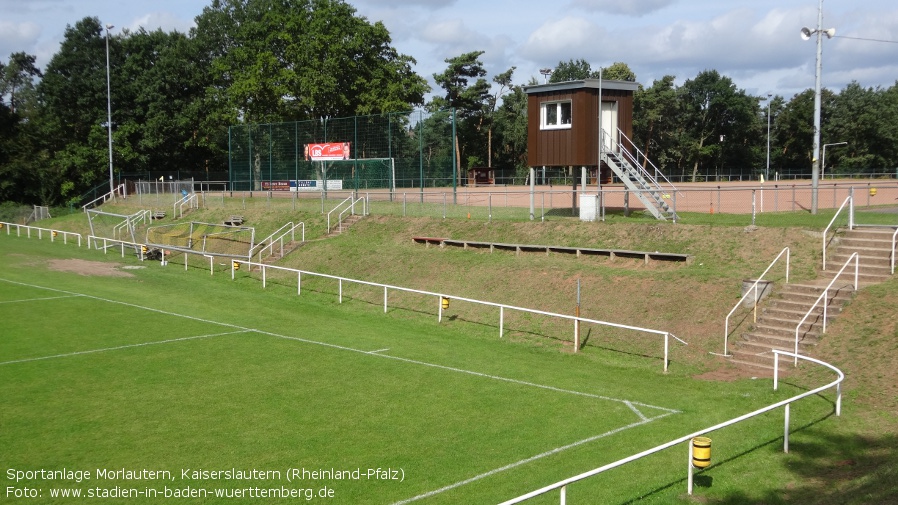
[[402, 150]]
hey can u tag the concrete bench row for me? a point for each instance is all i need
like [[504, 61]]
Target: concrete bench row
[[647, 256]]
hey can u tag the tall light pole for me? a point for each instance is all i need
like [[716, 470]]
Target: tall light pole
[[815, 164], [546, 73], [109, 111], [767, 171], [823, 158]]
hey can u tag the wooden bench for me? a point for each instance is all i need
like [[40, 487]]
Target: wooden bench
[[234, 220], [646, 256], [158, 214], [427, 241]]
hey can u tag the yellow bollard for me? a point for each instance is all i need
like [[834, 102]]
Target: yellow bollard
[[701, 452]]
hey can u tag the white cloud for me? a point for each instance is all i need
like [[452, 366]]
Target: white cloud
[[623, 7], [164, 20], [15, 37], [563, 39]]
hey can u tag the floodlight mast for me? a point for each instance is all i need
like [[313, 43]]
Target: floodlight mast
[[815, 163], [109, 112]]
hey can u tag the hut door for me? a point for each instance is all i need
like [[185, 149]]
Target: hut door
[[610, 125]]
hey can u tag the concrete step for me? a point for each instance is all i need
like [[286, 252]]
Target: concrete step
[[789, 308], [878, 233], [774, 341]]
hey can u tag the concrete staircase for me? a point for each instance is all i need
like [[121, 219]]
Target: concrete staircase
[[776, 326]]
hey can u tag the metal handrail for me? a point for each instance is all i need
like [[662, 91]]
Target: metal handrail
[[178, 207], [351, 210], [40, 232], [562, 485], [269, 241], [639, 152], [106, 197], [833, 220], [825, 293], [338, 207], [577, 320], [754, 287], [894, 235]]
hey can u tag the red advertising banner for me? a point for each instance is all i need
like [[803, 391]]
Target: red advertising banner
[[276, 185], [327, 151]]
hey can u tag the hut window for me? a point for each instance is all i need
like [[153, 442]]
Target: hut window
[[555, 115]]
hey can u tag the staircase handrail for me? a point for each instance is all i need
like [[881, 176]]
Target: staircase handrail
[[351, 209], [753, 289], [339, 207], [848, 200], [269, 241], [894, 237], [106, 197], [824, 295], [349, 203], [188, 199], [635, 160]]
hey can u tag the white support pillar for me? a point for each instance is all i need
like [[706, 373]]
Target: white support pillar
[[532, 193]]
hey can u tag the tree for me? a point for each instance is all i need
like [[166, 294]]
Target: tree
[[656, 123], [573, 71], [504, 83], [73, 119], [720, 123], [17, 80], [308, 59], [466, 98], [859, 117], [511, 131], [618, 71]]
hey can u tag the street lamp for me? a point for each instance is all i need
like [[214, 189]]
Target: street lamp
[[823, 158], [815, 164], [109, 112], [546, 73]]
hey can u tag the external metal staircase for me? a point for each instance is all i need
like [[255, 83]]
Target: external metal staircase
[[622, 157]]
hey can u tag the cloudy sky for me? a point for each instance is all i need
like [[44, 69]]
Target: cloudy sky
[[754, 42]]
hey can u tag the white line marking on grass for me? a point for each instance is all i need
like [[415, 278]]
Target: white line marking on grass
[[631, 404], [344, 348], [40, 299], [360, 351], [128, 346], [528, 460], [379, 350], [634, 409]]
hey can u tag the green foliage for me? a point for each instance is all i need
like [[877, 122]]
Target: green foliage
[[273, 59]]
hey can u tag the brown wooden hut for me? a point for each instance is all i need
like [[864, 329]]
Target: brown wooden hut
[[563, 122]]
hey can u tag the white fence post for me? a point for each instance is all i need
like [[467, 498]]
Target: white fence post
[[786, 430]]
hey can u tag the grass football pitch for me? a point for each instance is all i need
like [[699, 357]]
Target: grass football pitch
[[159, 383]]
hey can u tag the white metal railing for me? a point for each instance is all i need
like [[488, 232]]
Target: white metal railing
[[850, 202], [346, 205], [351, 211], [267, 243], [40, 232], [635, 159], [825, 296], [753, 289], [562, 485], [190, 200], [894, 237], [120, 189], [577, 320]]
